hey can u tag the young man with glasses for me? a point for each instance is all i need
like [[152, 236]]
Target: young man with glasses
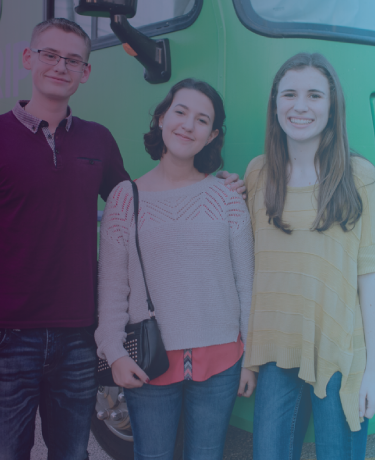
[[52, 168]]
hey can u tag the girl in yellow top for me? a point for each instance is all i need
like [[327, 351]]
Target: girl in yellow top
[[312, 324]]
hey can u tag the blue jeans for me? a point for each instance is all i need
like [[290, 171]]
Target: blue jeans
[[54, 369], [283, 404], [155, 411]]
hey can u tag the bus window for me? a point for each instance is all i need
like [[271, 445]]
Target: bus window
[[149, 12], [152, 18], [347, 20], [65, 9]]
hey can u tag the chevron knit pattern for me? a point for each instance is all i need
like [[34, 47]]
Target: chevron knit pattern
[[188, 365]]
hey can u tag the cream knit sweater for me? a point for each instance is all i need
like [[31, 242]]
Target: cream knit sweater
[[197, 249], [306, 310]]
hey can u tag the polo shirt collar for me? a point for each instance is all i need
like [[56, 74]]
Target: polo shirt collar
[[33, 123]]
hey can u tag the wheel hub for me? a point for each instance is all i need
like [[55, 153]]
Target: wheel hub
[[111, 407]]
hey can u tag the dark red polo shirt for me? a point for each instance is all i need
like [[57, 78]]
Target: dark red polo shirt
[[48, 211]]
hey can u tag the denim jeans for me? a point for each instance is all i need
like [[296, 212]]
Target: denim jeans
[[54, 369], [155, 411], [283, 404]]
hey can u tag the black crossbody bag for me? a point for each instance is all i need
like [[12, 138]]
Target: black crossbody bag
[[143, 340]]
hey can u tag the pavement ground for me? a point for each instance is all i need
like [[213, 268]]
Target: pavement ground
[[239, 446]]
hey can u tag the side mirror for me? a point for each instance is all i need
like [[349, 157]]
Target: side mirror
[[154, 55], [104, 8]]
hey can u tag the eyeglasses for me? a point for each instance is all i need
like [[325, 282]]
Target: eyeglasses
[[52, 59]]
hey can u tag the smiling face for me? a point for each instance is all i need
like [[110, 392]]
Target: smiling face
[[187, 124], [56, 82], [303, 104]]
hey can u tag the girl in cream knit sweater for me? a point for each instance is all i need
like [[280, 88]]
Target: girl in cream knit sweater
[[197, 248]]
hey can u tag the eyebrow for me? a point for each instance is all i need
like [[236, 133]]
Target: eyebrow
[[187, 108], [310, 91], [69, 54]]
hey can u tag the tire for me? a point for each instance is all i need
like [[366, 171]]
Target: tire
[[115, 437], [114, 446]]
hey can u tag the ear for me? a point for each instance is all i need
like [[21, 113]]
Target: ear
[[26, 58], [86, 73], [212, 136]]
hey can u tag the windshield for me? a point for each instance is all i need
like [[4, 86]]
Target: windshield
[[359, 14], [340, 20]]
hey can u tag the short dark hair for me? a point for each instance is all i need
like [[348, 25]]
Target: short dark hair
[[66, 26], [209, 158]]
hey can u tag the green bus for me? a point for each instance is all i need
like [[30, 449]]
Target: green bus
[[235, 45]]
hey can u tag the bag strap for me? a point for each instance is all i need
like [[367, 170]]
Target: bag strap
[[136, 207]]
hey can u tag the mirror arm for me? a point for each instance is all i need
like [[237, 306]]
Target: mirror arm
[[154, 55]]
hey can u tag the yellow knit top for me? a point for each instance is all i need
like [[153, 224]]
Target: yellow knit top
[[305, 308]]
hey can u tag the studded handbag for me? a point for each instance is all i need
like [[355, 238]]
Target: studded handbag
[[143, 340]]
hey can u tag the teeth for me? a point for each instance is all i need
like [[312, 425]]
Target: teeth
[[300, 121]]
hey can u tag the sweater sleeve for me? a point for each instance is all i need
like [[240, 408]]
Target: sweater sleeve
[[113, 275], [242, 256]]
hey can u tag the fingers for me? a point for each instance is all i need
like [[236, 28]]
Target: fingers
[[128, 374], [222, 174], [241, 189], [135, 376], [241, 387], [362, 403], [367, 395], [247, 383], [234, 181], [128, 381], [140, 374], [229, 178], [249, 390], [370, 408]]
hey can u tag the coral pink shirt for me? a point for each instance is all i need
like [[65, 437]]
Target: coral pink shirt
[[205, 362]]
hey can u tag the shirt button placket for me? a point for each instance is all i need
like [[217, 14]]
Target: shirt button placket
[[56, 150]]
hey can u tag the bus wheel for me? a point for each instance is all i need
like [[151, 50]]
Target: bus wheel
[[110, 425]]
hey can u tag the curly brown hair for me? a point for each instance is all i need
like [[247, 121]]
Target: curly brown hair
[[209, 158]]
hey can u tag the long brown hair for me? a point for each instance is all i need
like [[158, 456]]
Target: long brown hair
[[338, 198]]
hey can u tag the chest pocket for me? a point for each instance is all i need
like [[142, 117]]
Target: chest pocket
[[89, 161], [89, 172]]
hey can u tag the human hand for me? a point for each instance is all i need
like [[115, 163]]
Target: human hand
[[234, 181], [367, 395], [124, 370], [248, 382]]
